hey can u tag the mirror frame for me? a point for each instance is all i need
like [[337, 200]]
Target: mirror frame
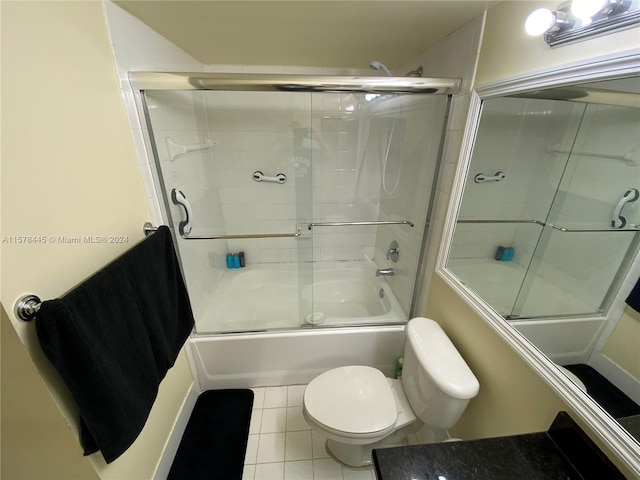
[[621, 443]]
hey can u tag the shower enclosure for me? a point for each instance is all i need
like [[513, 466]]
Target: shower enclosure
[[548, 225], [296, 201]]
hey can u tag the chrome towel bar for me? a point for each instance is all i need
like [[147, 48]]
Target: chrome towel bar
[[248, 235], [343, 224], [148, 229], [634, 228], [26, 307]]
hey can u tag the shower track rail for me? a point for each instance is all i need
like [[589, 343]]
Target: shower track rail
[[635, 228], [292, 83]]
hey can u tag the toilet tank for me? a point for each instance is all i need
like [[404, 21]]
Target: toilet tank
[[437, 381]]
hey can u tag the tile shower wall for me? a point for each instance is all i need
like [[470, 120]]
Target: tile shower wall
[[345, 186], [313, 140], [254, 132], [412, 165], [455, 56], [513, 138], [585, 264]]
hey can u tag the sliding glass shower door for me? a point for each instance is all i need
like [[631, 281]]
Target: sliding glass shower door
[[294, 208], [549, 220], [589, 239], [237, 185]]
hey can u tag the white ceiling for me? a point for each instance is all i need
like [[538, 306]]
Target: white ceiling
[[327, 33]]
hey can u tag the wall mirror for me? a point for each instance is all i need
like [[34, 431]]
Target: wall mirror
[[543, 230]]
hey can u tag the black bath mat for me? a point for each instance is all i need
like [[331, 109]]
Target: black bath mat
[[612, 399], [215, 440]]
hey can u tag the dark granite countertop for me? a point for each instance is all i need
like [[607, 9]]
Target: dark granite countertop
[[564, 452]]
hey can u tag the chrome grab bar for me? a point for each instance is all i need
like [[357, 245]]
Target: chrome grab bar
[[343, 224], [248, 235], [635, 228]]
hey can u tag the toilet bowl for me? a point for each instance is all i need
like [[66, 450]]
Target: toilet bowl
[[358, 409]]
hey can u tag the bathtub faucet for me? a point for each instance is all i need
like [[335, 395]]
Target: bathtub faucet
[[384, 272]]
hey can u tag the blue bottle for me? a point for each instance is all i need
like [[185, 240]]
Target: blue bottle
[[236, 261], [229, 261], [507, 254]]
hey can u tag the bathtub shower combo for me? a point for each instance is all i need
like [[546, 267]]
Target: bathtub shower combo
[[548, 225], [296, 202]]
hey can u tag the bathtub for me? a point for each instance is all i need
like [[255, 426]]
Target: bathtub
[[278, 334], [499, 283], [291, 357], [269, 297], [564, 340]]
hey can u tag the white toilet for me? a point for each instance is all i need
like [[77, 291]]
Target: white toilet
[[358, 409]]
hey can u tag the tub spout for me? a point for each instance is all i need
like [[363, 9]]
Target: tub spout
[[384, 272]]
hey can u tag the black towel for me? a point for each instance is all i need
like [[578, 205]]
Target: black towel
[[113, 339], [633, 300]]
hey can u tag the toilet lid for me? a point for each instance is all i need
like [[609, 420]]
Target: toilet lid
[[353, 399]]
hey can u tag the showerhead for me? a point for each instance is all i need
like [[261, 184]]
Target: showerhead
[[376, 65]]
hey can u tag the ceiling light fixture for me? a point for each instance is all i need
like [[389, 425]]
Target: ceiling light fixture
[[589, 9], [544, 20], [577, 20]]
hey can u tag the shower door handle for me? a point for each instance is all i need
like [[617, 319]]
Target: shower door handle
[[179, 198], [618, 221]]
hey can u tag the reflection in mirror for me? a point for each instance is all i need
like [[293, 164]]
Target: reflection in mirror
[[548, 225]]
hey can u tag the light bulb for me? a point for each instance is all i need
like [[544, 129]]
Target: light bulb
[[585, 9], [539, 21]]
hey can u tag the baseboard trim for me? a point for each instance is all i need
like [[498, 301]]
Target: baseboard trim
[[616, 375], [173, 442]]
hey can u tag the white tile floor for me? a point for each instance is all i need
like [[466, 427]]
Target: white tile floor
[[282, 446]]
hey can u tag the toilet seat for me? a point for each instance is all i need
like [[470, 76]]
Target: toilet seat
[[353, 401]]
